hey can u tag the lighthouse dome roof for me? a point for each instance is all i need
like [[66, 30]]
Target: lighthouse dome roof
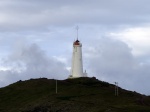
[[77, 42]]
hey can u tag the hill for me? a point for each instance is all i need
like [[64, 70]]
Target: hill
[[74, 95]]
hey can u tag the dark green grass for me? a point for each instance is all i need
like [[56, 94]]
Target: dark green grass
[[74, 95]]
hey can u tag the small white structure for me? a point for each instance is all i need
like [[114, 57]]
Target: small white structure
[[77, 66]]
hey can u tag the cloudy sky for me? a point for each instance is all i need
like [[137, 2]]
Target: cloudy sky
[[36, 39]]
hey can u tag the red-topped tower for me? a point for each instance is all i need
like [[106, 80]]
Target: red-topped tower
[[77, 66]]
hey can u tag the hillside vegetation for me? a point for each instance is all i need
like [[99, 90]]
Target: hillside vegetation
[[74, 95]]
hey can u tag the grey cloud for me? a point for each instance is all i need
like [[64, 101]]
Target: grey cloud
[[35, 14], [112, 61], [31, 62]]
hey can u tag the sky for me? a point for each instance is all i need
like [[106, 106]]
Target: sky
[[36, 38]]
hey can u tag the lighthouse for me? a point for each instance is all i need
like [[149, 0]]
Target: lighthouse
[[77, 64]]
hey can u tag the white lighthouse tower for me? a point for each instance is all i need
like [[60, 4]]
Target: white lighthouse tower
[[77, 66]]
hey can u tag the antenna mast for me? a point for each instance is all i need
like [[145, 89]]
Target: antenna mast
[[77, 28], [116, 88], [56, 86]]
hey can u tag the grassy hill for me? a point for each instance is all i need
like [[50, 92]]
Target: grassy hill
[[74, 95]]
